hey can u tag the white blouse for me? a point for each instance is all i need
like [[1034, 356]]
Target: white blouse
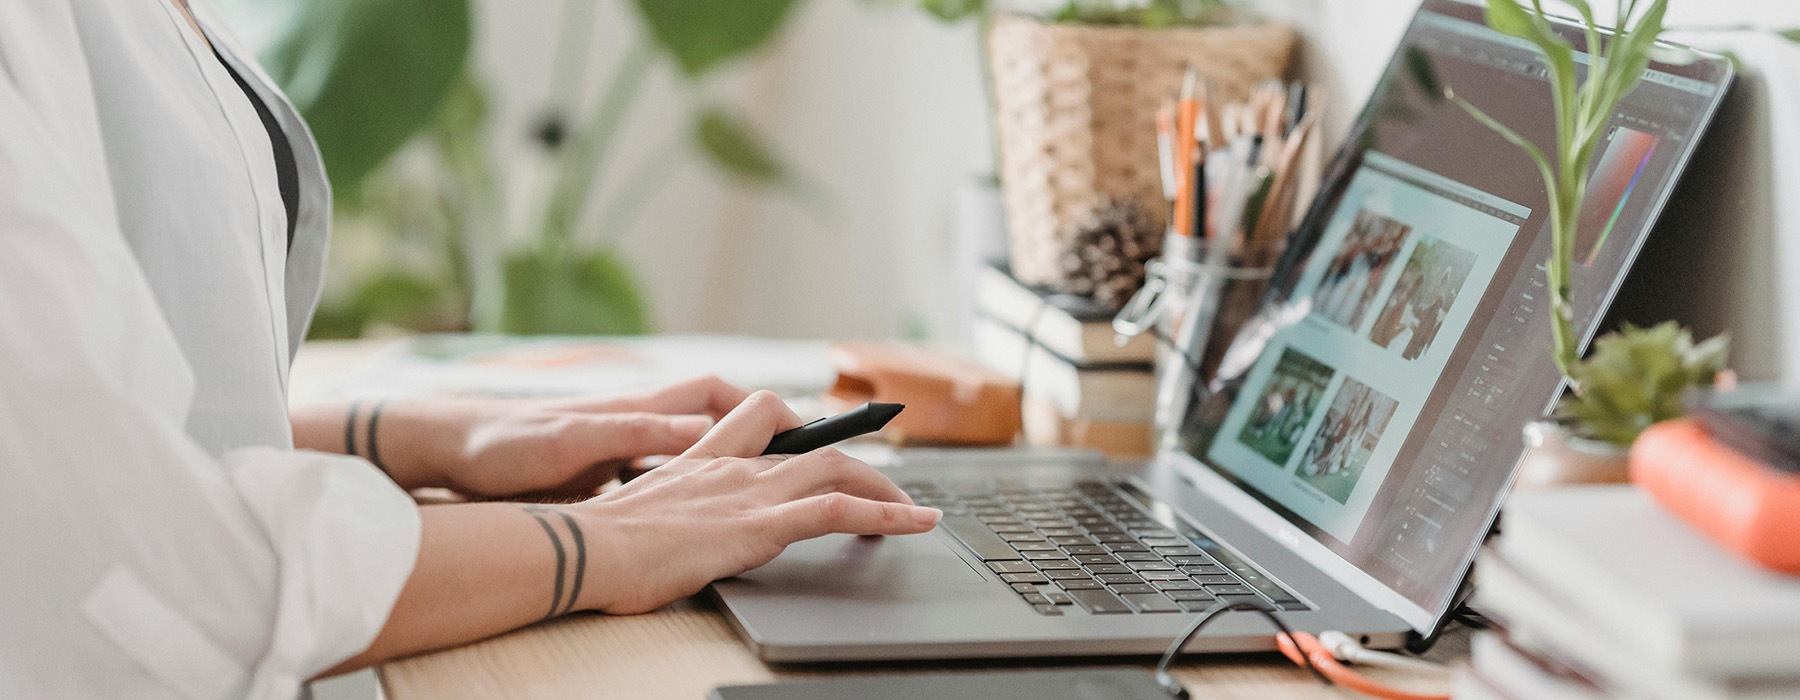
[[159, 536]]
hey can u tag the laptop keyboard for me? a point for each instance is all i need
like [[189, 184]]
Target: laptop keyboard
[[1087, 545]]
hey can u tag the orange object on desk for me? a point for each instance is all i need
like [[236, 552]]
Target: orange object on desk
[[949, 400], [1750, 508]]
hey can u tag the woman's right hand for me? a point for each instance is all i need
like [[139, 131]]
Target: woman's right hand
[[719, 510]]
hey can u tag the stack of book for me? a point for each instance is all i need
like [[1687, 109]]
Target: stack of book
[[1081, 389], [1597, 592]]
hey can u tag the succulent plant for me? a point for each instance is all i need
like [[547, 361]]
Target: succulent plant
[[1636, 377]]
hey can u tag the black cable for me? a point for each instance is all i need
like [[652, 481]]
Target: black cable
[[1174, 688]]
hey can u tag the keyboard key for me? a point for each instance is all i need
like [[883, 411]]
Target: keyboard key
[[978, 538], [1200, 596], [1011, 567], [1137, 556], [1024, 578], [1108, 569], [1151, 565], [1094, 559], [1079, 584], [1127, 547], [1123, 578], [1191, 561], [1175, 585], [1047, 564], [1155, 532], [1021, 537], [1163, 541], [1163, 575], [1070, 541], [1057, 598], [1047, 610], [1294, 605], [1051, 554], [1012, 528], [1151, 602], [1061, 532], [1039, 546], [1084, 549], [1202, 570], [1217, 580], [1231, 590], [1037, 599], [1114, 538], [1065, 574], [1099, 602], [1023, 587], [1123, 588], [1177, 551]]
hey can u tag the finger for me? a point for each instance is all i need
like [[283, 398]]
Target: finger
[[831, 513], [826, 470], [745, 432], [709, 395], [613, 436]]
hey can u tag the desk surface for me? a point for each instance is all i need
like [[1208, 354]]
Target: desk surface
[[685, 650]]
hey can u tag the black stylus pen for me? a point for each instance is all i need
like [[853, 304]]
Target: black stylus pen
[[831, 430]]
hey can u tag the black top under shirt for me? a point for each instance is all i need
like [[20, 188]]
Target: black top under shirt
[[287, 173]]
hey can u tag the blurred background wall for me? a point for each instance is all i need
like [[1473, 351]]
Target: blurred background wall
[[880, 109]]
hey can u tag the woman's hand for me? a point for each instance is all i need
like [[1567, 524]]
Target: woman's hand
[[519, 448], [719, 510]]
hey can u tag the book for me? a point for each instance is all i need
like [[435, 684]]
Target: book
[[1045, 426], [1644, 582], [1497, 669], [1534, 619], [1071, 327], [1106, 392]]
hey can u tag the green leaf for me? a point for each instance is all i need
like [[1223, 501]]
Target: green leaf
[[368, 74], [953, 10], [572, 294], [1512, 19], [701, 34], [729, 144]]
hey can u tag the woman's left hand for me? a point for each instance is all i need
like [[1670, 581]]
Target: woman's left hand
[[496, 448]]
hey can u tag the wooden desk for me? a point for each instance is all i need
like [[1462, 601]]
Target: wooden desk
[[685, 650]]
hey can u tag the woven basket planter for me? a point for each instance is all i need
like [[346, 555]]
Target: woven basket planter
[[1077, 117]]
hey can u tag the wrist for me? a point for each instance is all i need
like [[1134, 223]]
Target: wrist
[[607, 551], [400, 438]]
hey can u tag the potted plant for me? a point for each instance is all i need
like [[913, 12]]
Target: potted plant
[[374, 76], [1635, 376]]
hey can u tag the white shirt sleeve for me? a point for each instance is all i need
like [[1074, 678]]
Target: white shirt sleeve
[[135, 564]]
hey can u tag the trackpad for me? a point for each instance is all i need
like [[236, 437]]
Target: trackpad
[[841, 561]]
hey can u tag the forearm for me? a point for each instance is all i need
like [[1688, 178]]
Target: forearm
[[393, 435], [485, 569]]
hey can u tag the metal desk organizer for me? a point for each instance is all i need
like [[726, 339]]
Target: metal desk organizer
[[1194, 300]]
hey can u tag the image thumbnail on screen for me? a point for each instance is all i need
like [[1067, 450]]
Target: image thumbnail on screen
[[1338, 452], [1287, 406], [1355, 274], [1422, 298]]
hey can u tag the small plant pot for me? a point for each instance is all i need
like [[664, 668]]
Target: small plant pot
[[1557, 457]]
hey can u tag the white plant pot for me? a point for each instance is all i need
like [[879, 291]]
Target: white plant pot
[[1556, 457]]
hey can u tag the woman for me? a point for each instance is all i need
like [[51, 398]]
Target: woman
[[170, 531]]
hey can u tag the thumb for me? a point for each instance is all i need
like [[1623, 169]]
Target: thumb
[[627, 435]]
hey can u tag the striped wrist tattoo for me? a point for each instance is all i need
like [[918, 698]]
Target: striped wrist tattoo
[[562, 542], [370, 442]]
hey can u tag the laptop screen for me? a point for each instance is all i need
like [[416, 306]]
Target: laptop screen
[[1377, 400]]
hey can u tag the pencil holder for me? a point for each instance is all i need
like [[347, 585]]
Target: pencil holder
[[1075, 109], [1195, 299]]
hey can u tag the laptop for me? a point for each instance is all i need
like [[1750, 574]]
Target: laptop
[[1356, 446]]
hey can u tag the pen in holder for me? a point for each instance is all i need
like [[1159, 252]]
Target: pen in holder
[[1195, 298]]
